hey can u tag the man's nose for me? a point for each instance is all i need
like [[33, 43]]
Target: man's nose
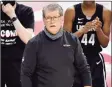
[[52, 21]]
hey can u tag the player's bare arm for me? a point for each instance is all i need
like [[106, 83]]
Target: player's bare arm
[[68, 18], [103, 34], [68, 21]]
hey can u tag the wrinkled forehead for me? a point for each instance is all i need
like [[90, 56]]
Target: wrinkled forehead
[[52, 13]]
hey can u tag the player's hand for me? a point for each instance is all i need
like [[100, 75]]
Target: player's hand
[[88, 27], [9, 10], [97, 24]]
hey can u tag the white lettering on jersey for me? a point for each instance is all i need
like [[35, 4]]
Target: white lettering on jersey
[[91, 40], [79, 26], [8, 33]]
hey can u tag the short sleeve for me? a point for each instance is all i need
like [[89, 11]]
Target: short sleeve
[[28, 18]]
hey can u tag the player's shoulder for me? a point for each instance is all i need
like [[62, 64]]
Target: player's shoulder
[[70, 12], [70, 9], [106, 10], [106, 13]]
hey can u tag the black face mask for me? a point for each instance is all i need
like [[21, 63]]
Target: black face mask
[[10, 2]]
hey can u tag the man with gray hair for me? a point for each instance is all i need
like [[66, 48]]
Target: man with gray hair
[[54, 56]]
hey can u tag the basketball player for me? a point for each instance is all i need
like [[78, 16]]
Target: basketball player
[[91, 23]]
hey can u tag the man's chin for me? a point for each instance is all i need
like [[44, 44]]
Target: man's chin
[[54, 31]]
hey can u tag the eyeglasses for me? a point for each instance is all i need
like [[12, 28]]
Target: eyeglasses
[[55, 18]]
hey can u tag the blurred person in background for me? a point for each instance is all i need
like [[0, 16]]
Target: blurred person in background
[[17, 24], [91, 23]]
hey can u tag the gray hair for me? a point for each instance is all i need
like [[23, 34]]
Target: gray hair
[[53, 7]]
